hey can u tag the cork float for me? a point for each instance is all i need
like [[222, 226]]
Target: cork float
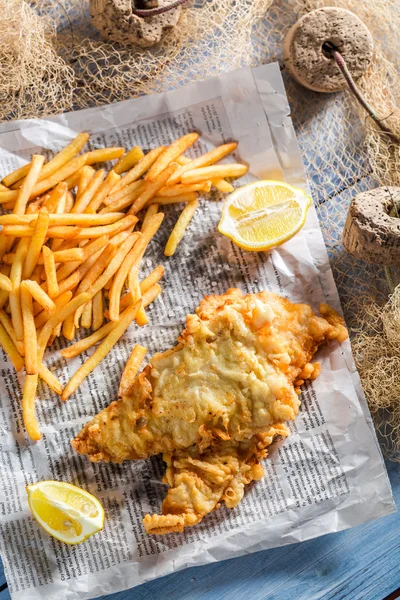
[[306, 58], [126, 22], [372, 229]]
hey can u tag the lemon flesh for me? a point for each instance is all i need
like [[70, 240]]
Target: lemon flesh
[[263, 214], [65, 511]]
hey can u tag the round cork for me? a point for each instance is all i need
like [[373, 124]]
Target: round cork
[[303, 52], [116, 22], [370, 232]]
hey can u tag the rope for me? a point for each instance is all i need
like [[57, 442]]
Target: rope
[[152, 12]]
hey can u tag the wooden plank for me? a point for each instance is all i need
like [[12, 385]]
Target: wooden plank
[[358, 564]]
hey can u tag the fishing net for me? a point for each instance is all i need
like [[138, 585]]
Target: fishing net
[[52, 59]]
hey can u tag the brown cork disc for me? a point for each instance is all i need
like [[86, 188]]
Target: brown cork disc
[[303, 53], [370, 232], [116, 22]]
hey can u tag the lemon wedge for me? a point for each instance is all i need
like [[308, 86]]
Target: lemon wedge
[[264, 214], [65, 511]]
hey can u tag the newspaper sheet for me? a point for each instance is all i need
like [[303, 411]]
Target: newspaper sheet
[[329, 475]]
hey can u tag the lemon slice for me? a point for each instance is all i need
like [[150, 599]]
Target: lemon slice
[[263, 214], [65, 511]]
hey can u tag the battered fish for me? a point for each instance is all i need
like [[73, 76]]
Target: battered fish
[[224, 391]]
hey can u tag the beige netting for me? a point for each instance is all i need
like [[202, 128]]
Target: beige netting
[[34, 80], [57, 62]]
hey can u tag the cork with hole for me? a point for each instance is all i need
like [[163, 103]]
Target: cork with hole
[[303, 53], [371, 232], [116, 22]]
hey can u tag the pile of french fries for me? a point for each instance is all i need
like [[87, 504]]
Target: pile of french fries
[[70, 255]]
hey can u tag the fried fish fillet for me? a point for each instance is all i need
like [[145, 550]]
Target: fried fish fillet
[[200, 481], [234, 376]]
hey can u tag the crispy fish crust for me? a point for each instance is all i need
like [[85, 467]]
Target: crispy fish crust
[[234, 376], [200, 481]]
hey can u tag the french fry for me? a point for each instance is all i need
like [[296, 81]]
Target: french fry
[[177, 148], [60, 175], [3, 294], [126, 197], [59, 302], [164, 201], [134, 287], [64, 206], [9, 196], [88, 342], [14, 297], [130, 260], [98, 267], [150, 190], [57, 317], [49, 378], [5, 283], [69, 203], [97, 310], [51, 273], [128, 161], [28, 407], [152, 210], [179, 189], [16, 175], [94, 232], [25, 231], [222, 186], [144, 285], [88, 251], [64, 156], [109, 342], [214, 172], [118, 239], [138, 170], [151, 279], [131, 369], [57, 330], [183, 160], [179, 228], [115, 263], [5, 321], [28, 184], [86, 319], [151, 294], [103, 155], [11, 350], [104, 190], [86, 176], [39, 294], [203, 161], [83, 199], [64, 256], [63, 219], [73, 180], [68, 327], [62, 203], [30, 339], [56, 196], [36, 242], [120, 193]]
